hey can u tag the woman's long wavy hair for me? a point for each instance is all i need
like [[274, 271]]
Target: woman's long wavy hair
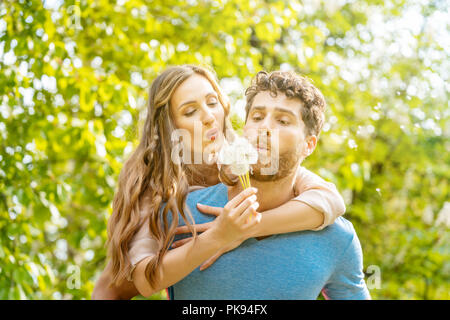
[[150, 174]]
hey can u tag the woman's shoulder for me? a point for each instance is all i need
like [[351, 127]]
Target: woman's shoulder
[[195, 188]]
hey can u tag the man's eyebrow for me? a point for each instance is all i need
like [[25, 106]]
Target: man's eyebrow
[[193, 101], [279, 109], [286, 111], [262, 108]]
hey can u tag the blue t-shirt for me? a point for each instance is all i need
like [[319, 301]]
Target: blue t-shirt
[[296, 265]]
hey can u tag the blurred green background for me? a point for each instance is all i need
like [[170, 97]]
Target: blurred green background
[[74, 77]]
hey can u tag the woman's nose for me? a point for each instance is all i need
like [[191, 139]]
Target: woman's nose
[[207, 117]]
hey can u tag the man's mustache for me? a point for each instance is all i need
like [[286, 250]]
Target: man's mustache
[[262, 143]]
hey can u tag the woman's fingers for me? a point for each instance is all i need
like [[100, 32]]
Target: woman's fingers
[[239, 198], [183, 229], [253, 221], [198, 227], [244, 205], [179, 243], [209, 210], [210, 261], [249, 212]]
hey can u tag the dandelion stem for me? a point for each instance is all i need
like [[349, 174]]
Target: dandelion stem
[[242, 182], [248, 179]]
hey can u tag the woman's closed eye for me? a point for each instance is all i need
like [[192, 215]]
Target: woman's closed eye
[[189, 112], [212, 102]]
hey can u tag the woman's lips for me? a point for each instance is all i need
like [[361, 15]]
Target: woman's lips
[[211, 135]]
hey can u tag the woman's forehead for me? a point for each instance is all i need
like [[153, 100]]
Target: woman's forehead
[[193, 88]]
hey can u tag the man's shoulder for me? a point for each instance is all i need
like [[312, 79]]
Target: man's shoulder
[[341, 229], [218, 192], [343, 226], [220, 187], [340, 234]]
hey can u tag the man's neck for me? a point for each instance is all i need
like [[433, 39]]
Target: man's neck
[[271, 194]]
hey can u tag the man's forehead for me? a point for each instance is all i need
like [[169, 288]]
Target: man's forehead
[[265, 100]]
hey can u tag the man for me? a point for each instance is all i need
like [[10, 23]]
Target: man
[[297, 265]]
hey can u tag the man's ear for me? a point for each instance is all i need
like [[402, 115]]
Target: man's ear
[[310, 145]]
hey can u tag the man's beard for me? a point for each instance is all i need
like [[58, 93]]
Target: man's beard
[[287, 164]]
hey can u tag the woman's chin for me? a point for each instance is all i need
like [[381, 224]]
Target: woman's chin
[[211, 147], [210, 157]]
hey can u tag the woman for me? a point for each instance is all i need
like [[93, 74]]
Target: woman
[[181, 97]]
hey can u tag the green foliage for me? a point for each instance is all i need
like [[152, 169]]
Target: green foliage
[[74, 77]]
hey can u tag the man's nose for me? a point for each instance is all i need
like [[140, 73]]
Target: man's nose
[[264, 129], [264, 133]]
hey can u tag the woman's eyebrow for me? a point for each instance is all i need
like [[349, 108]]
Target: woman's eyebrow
[[193, 101], [211, 94], [187, 102]]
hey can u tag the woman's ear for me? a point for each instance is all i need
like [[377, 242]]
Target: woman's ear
[[310, 145]]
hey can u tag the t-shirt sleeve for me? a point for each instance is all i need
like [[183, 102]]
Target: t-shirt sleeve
[[320, 195], [142, 245], [347, 281]]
